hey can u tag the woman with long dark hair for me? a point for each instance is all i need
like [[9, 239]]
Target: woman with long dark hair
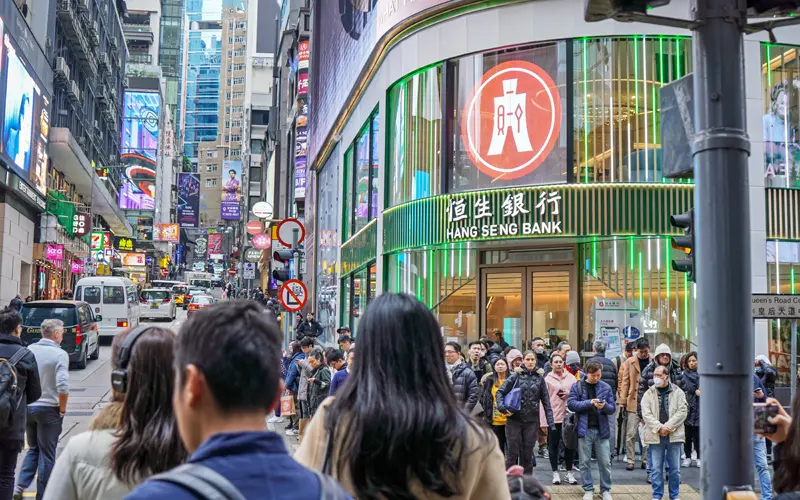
[[786, 481], [132, 438], [559, 382], [395, 431], [691, 387], [490, 383]]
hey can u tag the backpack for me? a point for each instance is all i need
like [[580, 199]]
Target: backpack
[[207, 484], [9, 390]]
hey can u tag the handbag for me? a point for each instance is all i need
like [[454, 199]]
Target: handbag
[[513, 399], [287, 405]]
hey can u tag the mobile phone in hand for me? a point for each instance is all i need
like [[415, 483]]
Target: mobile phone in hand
[[761, 415]]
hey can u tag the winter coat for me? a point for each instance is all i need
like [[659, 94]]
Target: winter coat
[[302, 386], [28, 386], [610, 373], [646, 380], [293, 377], [486, 398], [482, 368], [465, 386], [83, 469], [629, 391], [578, 402], [677, 410], [318, 389], [482, 476], [557, 405], [493, 354], [306, 329], [533, 391], [767, 374], [691, 382]]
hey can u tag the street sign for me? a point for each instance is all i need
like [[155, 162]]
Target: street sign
[[164, 273], [262, 210], [286, 229], [249, 271], [775, 306], [294, 295], [254, 227], [252, 255], [232, 272], [262, 241]]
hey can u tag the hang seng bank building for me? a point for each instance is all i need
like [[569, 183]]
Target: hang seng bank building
[[502, 162]]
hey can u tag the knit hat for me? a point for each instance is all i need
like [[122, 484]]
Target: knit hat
[[572, 358], [663, 349], [512, 355]]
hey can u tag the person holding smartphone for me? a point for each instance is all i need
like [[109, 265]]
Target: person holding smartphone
[[559, 383]]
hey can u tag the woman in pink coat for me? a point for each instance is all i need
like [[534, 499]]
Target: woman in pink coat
[[559, 382]]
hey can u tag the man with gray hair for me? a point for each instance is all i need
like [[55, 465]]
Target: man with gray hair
[[45, 416], [609, 377]]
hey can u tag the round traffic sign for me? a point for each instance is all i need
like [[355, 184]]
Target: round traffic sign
[[286, 231], [232, 272], [293, 295], [252, 255], [254, 227], [512, 120], [262, 210], [262, 241]]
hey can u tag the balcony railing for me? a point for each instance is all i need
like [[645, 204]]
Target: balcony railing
[[140, 58]]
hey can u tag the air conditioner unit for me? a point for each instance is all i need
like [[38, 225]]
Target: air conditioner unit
[[62, 70], [73, 92]]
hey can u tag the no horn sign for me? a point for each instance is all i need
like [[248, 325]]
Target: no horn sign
[[294, 295]]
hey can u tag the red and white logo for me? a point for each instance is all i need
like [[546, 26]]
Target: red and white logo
[[512, 120]]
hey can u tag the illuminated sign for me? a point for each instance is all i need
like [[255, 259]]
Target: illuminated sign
[[54, 252], [98, 241], [512, 120], [80, 224], [133, 259], [124, 244], [166, 232]]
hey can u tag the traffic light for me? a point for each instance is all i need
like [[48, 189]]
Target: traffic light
[[284, 257], [685, 243], [599, 10]]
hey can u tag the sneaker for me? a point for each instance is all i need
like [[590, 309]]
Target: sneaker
[[644, 465], [576, 468], [587, 495], [625, 457], [544, 453], [562, 468], [275, 420], [629, 467], [607, 495], [697, 463], [17, 495], [571, 478], [687, 462], [556, 478], [649, 481], [291, 432]]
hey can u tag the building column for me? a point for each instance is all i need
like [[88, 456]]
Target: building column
[[16, 253]]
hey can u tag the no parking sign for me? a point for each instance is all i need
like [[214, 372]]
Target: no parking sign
[[294, 295]]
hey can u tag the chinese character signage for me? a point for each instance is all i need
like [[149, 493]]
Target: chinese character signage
[[303, 53], [302, 84], [54, 252], [124, 244], [80, 223], [166, 232], [504, 214], [214, 245], [231, 190], [767, 306], [188, 199]]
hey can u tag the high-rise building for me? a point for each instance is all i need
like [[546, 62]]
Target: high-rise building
[[170, 55]]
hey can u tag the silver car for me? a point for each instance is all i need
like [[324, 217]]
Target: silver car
[[158, 303]]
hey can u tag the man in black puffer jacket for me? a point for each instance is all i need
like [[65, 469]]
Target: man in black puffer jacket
[[465, 385], [29, 390]]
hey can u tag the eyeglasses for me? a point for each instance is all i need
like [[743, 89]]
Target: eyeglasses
[[449, 352]]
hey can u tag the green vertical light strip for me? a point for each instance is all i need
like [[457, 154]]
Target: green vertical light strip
[[460, 260], [594, 258], [686, 305], [678, 58], [419, 288], [445, 262], [769, 66], [398, 286], [667, 247], [585, 77], [791, 276], [641, 283], [632, 261], [431, 279]]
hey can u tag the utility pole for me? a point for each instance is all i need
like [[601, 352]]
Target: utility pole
[[722, 215]]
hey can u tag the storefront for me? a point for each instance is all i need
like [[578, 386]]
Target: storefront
[[511, 178]]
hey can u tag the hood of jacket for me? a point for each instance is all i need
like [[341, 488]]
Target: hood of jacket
[[512, 355]]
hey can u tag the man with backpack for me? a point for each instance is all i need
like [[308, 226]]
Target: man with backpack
[[18, 364], [227, 380]]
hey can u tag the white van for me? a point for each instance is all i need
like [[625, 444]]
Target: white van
[[114, 301]]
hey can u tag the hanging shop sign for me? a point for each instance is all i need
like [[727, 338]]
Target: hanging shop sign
[[254, 227], [262, 241], [124, 244], [77, 267], [252, 254], [98, 240], [54, 252], [504, 214], [512, 120], [80, 223], [263, 210], [166, 232], [303, 54], [133, 259]]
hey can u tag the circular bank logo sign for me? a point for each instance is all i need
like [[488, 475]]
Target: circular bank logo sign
[[512, 120]]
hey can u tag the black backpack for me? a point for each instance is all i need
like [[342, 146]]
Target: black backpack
[[208, 484], [10, 393]]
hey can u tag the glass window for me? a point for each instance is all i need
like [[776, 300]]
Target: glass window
[[91, 294], [327, 246], [415, 136], [361, 173], [345, 313], [347, 194], [783, 269], [781, 120], [360, 288], [373, 176], [630, 290], [617, 129], [149, 295], [362, 191], [509, 124], [113, 295], [33, 315]]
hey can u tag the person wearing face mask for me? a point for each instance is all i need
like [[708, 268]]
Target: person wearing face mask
[[477, 362], [514, 359], [537, 344], [593, 401], [628, 399], [559, 383], [691, 387], [522, 425], [465, 385], [664, 410], [573, 362], [622, 415], [663, 358]]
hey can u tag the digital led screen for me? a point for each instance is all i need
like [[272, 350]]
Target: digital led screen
[[140, 124]]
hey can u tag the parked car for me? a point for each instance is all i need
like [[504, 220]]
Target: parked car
[[158, 303], [81, 336], [199, 302]]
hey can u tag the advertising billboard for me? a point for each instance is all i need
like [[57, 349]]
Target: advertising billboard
[[188, 199], [166, 232], [25, 115], [231, 190], [139, 150], [345, 34], [214, 245]]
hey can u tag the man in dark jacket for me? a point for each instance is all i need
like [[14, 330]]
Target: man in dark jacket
[[663, 357], [29, 390], [221, 398], [593, 401], [493, 351], [477, 363], [309, 328], [497, 337], [767, 374], [542, 357], [465, 385], [610, 377]]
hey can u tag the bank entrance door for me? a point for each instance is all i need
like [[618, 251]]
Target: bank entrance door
[[527, 302]]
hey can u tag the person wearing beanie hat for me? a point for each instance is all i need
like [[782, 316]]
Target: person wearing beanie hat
[[514, 359], [663, 358], [573, 362]]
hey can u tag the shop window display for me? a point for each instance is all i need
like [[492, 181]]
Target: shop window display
[[783, 271], [781, 119], [361, 165], [327, 267]]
